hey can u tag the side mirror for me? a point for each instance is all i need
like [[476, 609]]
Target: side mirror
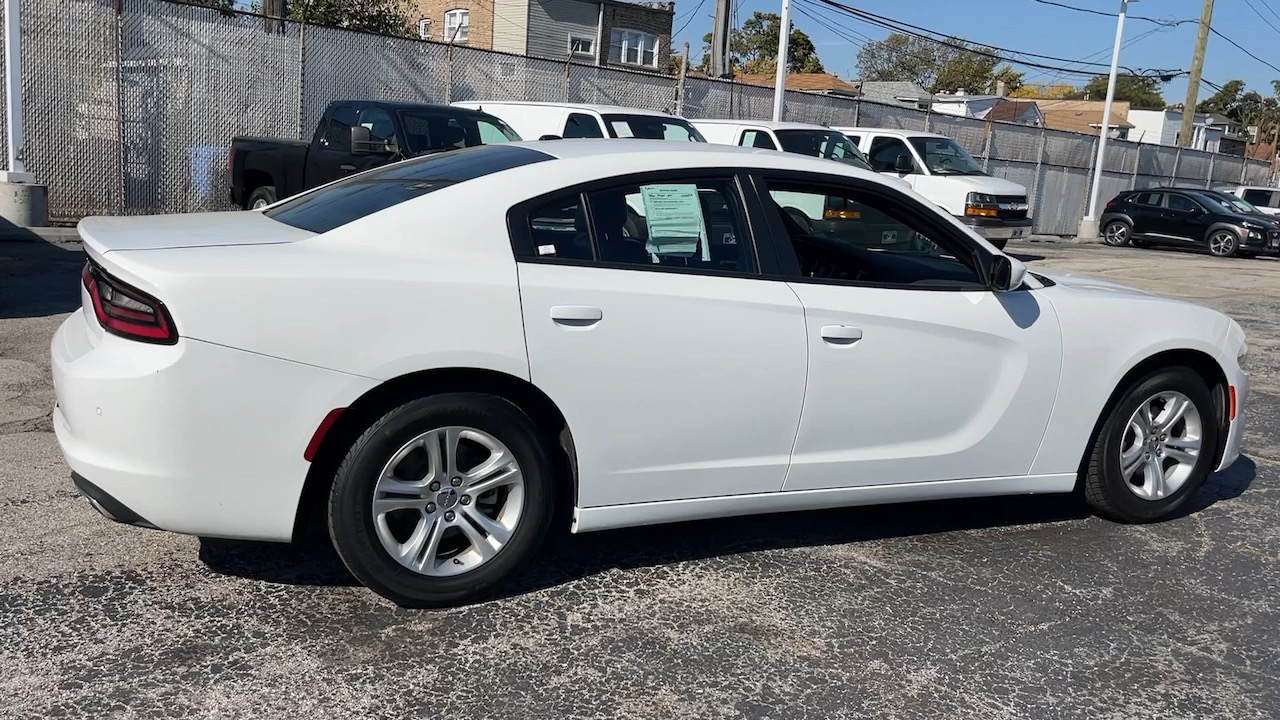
[[360, 141], [550, 137], [1007, 273], [903, 164]]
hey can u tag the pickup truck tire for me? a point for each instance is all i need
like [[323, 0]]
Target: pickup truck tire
[[262, 197]]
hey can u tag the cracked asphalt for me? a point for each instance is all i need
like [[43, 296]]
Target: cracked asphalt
[[1005, 608]]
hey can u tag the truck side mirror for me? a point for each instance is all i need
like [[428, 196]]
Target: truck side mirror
[[550, 137], [360, 140], [903, 164]]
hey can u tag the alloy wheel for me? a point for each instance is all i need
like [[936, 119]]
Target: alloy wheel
[[1116, 234], [1161, 445], [448, 501], [259, 204], [1222, 243]]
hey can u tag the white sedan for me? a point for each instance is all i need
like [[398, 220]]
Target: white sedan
[[441, 357]]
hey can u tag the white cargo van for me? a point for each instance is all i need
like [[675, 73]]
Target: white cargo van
[[941, 170], [800, 138], [542, 121], [1266, 199]]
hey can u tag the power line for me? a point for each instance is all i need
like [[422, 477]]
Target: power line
[[1264, 17], [692, 15], [1242, 49], [1091, 11], [1271, 10]]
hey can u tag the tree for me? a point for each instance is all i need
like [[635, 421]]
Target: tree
[[1141, 91], [1012, 79], [1044, 90], [945, 66], [754, 47], [1226, 101], [385, 17]]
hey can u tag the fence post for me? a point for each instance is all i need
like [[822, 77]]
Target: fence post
[[680, 84], [1137, 160], [1033, 192], [1177, 163], [564, 87], [857, 111], [986, 142], [1213, 160], [122, 200], [448, 74], [302, 72]]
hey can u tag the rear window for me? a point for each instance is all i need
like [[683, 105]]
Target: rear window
[[351, 199], [651, 127]]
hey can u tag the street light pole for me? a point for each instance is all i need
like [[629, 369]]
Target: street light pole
[[1089, 225], [780, 81]]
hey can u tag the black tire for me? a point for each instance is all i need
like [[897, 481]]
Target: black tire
[[1117, 233], [1105, 488], [1223, 243], [351, 517], [261, 197]]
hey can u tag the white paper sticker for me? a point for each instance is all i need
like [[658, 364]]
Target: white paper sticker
[[546, 249]]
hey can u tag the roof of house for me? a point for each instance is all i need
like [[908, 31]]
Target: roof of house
[[1011, 110], [1083, 116], [893, 91], [813, 82]]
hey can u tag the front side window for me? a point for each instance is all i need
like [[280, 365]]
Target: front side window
[[856, 236], [361, 195], [337, 132], [632, 47], [757, 139], [580, 125], [1182, 203], [434, 130], [378, 122], [1264, 198], [582, 45], [457, 26], [651, 127], [827, 144], [944, 156], [885, 152]]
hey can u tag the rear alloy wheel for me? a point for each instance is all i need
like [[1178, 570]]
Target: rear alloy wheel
[[1116, 234], [442, 500], [1223, 243], [1155, 450], [262, 197]]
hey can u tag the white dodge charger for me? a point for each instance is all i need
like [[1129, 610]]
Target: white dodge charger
[[442, 356]]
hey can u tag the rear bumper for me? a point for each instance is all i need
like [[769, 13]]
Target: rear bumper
[[193, 438]]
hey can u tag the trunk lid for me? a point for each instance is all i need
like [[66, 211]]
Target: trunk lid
[[102, 235]]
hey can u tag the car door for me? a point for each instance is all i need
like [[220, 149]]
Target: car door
[[678, 366], [1182, 219], [1145, 210], [917, 372], [883, 152]]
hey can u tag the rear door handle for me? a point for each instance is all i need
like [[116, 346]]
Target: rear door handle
[[841, 334], [348, 168], [576, 315]]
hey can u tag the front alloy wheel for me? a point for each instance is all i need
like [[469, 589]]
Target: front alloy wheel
[[1161, 445], [1223, 243], [442, 500]]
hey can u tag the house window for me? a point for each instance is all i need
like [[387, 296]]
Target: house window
[[457, 25], [633, 48], [582, 45]]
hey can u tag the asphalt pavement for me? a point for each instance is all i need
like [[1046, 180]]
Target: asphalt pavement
[[994, 608]]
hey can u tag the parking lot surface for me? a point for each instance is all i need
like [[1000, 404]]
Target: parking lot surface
[[1005, 608]]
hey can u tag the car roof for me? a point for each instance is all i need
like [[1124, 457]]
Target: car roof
[[602, 109], [406, 105], [783, 125], [890, 131]]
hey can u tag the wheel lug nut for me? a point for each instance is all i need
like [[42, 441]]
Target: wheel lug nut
[[431, 507], [434, 486], [455, 482], [449, 516], [466, 500]]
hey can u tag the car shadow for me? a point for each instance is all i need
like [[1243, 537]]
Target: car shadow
[[39, 278], [567, 557]]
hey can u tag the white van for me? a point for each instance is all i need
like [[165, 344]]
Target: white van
[[800, 138], [544, 121], [1266, 199], [941, 170]]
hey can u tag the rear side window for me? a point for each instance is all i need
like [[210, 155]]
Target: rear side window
[[1152, 199], [757, 139], [1265, 198], [351, 199], [582, 126]]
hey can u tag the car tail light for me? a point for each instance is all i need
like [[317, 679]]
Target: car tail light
[[127, 311]]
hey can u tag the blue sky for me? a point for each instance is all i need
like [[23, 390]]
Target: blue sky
[[1027, 25]]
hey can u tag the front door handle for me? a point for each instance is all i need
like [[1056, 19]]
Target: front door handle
[[841, 334], [576, 315], [347, 167]]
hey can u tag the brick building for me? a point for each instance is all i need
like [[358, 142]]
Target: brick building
[[599, 32]]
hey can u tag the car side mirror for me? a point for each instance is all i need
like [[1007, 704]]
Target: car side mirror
[[903, 164], [1007, 273], [550, 137], [360, 141]]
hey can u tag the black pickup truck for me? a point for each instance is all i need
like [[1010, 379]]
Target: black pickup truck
[[353, 136]]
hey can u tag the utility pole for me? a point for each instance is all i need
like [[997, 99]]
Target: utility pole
[[1089, 225], [780, 80], [721, 63], [1193, 81]]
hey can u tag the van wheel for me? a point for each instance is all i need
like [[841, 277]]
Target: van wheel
[[442, 500], [262, 197], [1155, 449]]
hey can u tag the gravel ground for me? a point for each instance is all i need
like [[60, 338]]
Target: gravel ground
[[1006, 608]]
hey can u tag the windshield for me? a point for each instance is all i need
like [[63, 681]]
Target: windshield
[[944, 156], [426, 131], [651, 127], [1243, 206], [828, 144]]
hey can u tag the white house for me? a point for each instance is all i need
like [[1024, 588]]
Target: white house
[[988, 107], [1161, 127]]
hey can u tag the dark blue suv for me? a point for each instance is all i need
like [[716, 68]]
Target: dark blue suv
[[1188, 217]]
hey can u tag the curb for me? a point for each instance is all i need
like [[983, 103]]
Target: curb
[[57, 235]]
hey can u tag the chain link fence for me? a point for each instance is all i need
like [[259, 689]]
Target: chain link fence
[[131, 106]]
